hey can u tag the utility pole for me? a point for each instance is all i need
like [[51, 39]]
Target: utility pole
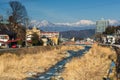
[[26, 25]]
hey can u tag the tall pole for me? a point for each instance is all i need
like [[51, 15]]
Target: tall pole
[[26, 22]]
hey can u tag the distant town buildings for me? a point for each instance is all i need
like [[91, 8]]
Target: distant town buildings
[[50, 34], [101, 25], [53, 36]]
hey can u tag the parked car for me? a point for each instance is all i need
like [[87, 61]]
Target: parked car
[[14, 46]]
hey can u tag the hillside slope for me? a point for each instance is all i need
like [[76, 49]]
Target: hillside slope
[[78, 34]]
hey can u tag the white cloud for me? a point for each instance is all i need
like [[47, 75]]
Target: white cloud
[[113, 22], [78, 23], [85, 22], [63, 24]]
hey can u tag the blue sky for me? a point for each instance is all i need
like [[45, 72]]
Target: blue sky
[[68, 10]]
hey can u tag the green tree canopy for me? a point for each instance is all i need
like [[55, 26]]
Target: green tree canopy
[[110, 30], [35, 39]]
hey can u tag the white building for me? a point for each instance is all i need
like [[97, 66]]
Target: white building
[[3, 40], [49, 34], [54, 36], [101, 25], [109, 39]]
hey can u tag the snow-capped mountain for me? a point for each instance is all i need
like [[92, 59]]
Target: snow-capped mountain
[[48, 26], [43, 23], [79, 25]]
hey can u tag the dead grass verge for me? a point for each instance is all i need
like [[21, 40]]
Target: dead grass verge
[[17, 67], [93, 65]]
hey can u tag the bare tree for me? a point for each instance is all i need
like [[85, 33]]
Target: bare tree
[[17, 17], [19, 13]]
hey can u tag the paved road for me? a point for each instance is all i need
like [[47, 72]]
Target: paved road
[[116, 45], [8, 50]]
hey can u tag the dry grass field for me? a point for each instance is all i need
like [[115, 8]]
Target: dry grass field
[[93, 65], [18, 67]]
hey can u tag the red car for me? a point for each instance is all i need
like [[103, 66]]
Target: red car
[[14, 46]]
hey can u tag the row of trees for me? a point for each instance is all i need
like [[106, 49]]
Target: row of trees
[[111, 30]]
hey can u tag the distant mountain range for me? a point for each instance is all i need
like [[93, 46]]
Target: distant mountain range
[[48, 26], [65, 26], [79, 29], [80, 34]]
